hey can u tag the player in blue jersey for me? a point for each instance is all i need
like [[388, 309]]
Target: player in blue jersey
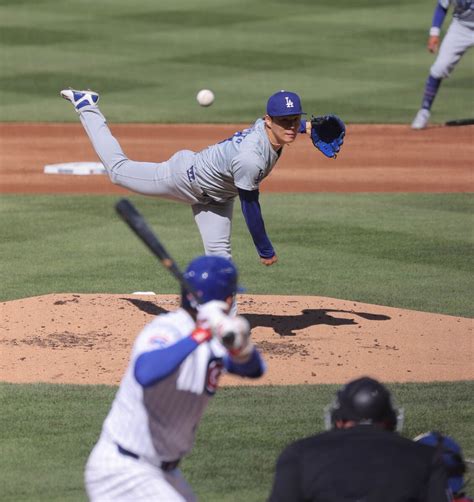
[[211, 179], [458, 39], [173, 373]]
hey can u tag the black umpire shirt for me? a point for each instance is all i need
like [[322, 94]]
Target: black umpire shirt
[[361, 464]]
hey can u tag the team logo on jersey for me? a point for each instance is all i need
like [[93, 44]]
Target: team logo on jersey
[[214, 370], [289, 103], [159, 341]]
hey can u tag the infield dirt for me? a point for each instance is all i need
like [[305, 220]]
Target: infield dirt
[[64, 338]]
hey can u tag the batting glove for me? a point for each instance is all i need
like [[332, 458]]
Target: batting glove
[[234, 333], [211, 314]]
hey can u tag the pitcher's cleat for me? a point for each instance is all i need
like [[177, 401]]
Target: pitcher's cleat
[[80, 99]]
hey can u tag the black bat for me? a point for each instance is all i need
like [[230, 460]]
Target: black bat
[[459, 122], [137, 223]]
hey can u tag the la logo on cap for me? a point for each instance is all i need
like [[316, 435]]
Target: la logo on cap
[[284, 103]]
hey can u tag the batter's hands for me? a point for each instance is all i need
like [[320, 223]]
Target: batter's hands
[[269, 261], [211, 314], [234, 333], [433, 43]]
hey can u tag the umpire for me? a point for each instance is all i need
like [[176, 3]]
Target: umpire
[[362, 458]]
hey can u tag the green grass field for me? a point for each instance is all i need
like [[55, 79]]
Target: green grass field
[[365, 60], [362, 59], [51, 428], [404, 250]]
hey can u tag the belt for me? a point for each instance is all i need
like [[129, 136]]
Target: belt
[[164, 466]]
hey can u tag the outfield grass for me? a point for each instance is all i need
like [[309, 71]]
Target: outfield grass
[[47, 432], [365, 60], [403, 250]]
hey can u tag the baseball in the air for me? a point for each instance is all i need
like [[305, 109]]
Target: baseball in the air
[[205, 97]]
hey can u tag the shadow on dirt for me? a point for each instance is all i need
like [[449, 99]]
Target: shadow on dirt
[[284, 325]]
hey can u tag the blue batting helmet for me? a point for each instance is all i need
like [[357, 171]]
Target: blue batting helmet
[[451, 455], [213, 277]]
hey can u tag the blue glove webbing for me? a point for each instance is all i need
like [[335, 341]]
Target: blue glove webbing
[[253, 217], [253, 368]]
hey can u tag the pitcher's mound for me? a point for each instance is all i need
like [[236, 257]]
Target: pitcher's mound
[[79, 338]]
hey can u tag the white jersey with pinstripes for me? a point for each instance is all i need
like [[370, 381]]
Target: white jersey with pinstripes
[[159, 423]]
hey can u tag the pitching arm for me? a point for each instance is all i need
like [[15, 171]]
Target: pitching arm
[[253, 217]]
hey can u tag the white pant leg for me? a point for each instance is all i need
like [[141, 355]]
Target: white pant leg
[[113, 477], [455, 43], [168, 179], [215, 226]]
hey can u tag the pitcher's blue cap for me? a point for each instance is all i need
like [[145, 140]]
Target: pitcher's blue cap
[[284, 103]]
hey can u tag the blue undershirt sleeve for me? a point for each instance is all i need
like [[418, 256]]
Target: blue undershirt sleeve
[[253, 368], [253, 217], [151, 367], [302, 129], [438, 16]]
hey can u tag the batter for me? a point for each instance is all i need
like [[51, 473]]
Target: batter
[[458, 39], [208, 180], [173, 372]]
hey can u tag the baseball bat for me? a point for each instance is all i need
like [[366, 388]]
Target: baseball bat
[[138, 224]]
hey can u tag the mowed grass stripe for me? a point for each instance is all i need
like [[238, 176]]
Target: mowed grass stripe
[[149, 60], [403, 250]]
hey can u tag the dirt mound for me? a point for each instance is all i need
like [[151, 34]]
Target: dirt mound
[[79, 338]]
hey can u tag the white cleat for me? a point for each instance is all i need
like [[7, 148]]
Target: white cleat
[[80, 98], [421, 120]]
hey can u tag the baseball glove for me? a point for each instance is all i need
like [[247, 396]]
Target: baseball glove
[[327, 134]]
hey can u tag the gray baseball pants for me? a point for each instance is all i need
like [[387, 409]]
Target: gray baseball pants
[[456, 42], [173, 179]]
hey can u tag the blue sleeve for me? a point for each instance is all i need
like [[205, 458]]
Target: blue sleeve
[[151, 367], [439, 15], [253, 368], [253, 217]]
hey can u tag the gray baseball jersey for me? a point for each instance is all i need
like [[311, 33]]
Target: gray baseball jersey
[[207, 180], [241, 161], [463, 10]]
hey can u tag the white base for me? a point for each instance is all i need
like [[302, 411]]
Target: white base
[[79, 168]]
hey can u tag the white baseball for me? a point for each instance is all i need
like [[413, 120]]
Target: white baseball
[[205, 97]]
